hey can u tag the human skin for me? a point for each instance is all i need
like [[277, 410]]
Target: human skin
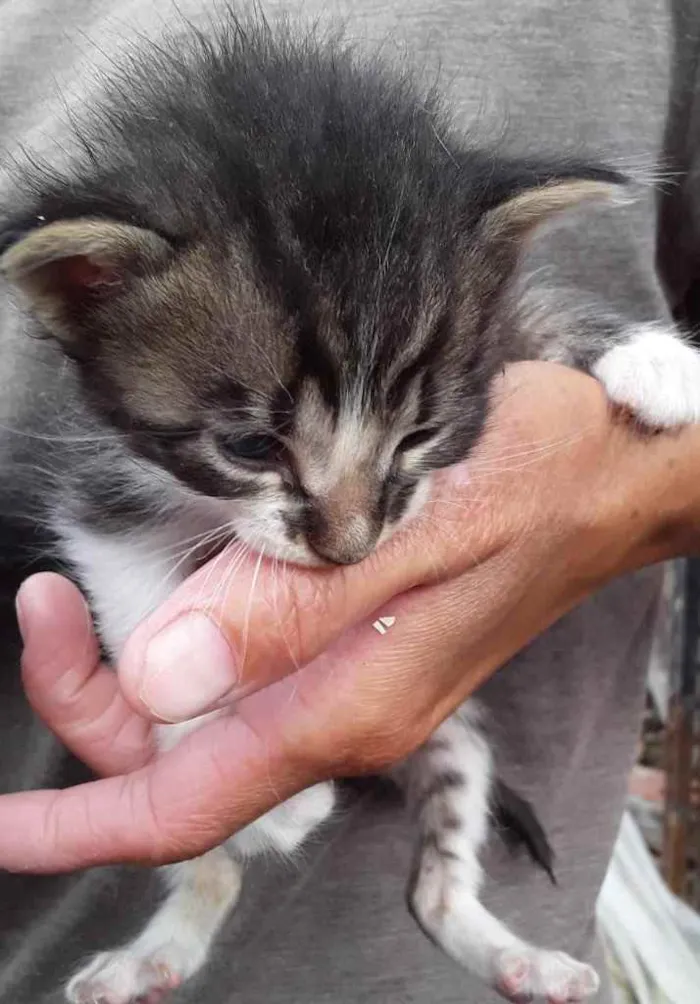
[[561, 495]]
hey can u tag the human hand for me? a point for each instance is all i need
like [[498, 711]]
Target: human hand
[[557, 499]]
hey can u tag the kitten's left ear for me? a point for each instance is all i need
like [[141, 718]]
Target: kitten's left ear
[[524, 204], [71, 268]]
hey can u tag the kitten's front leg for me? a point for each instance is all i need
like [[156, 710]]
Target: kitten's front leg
[[653, 373], [127, 577], [646, 367], [448, 782]]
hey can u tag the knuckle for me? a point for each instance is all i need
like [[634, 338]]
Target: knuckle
[[48, 833], [57, 679], [140, 807]]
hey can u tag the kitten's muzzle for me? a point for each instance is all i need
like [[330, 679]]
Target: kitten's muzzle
[[343, 541]]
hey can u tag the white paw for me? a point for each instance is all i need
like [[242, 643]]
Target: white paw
[[526, 973], [134, 974], [655, 375]]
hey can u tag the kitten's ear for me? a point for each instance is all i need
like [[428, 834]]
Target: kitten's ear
[[527, 203], [68, 269]]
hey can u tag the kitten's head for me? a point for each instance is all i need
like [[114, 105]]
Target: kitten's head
[[277, 273]]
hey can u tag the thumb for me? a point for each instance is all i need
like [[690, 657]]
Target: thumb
[[236, 626]]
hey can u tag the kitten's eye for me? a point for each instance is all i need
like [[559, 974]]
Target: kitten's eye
[[414, 439], [256, 447]]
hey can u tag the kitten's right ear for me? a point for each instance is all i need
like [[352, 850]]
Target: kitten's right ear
[[70, 269]]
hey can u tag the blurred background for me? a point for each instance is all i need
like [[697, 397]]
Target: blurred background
[[649, 907]]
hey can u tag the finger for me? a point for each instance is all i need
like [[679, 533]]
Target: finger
[[175, 807], [67, 685]]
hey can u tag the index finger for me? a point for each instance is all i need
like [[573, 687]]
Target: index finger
[[168, 810]]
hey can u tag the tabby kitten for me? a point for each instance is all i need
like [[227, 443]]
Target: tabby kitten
[[285, 286]]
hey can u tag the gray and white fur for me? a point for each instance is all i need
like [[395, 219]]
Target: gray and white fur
[[284, 286]]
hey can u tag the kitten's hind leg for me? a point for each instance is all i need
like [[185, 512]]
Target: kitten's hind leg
[[653, 373], [448, 782], [175, 942]]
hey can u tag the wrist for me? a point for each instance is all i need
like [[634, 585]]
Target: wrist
[[672, 495], [650, 496]]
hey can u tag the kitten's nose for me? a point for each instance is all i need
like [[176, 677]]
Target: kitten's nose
[[338, 556], [342, 543]]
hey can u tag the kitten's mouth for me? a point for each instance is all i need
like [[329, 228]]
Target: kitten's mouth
[[285, 553]]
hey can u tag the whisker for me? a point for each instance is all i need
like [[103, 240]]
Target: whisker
[[284, 566], [245, 551], [235, 555], [180, 559], [249, 607], [197, 537]]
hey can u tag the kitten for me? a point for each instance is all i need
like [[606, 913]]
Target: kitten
[[285, 286]]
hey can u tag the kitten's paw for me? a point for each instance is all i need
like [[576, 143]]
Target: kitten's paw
[[526, 974], [655, 375], [134, 975]]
